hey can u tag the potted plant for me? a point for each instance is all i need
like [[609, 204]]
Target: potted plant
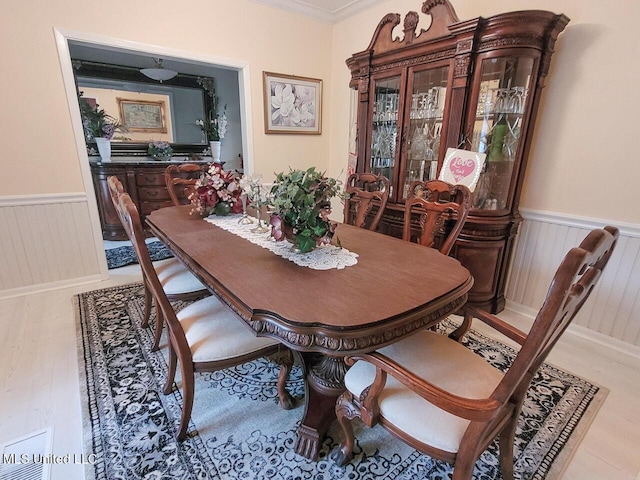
[[301, 204], [99, 126], [214, 129]]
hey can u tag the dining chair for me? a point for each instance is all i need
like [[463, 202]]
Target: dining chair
[[448, 402], [365, 192], [442, 209], [177, 281], [206, 335], [181, 180]]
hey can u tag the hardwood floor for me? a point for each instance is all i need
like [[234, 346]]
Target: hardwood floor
[[39, 384]]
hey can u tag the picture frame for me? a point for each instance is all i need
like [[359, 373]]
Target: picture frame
[[292, 104], [462, 167], [142, 115]]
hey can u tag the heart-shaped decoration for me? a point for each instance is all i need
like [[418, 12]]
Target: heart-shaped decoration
[[461, 168]]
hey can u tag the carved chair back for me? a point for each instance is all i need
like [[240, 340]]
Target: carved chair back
[[365, 192], [489, 415], [442, 209], [183, 287], [181, 179], [180, 351]]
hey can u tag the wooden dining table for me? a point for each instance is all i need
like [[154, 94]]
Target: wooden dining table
[[395, 289]]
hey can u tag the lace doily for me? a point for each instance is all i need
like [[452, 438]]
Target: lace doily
[[324, 257]]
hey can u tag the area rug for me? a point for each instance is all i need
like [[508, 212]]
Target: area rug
[[238, 431], [123, 256]]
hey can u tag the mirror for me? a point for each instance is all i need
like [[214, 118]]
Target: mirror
[[149, 109]]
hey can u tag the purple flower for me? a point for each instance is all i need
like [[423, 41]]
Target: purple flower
[[277, 230]]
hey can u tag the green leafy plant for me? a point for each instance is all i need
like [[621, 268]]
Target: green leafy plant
[[301, 203], [98, 123]]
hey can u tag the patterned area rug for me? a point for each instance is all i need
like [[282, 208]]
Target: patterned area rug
[[123, 256], [239, 431]]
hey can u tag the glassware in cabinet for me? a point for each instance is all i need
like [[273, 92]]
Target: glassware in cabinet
[[428, 94], [504, 91]]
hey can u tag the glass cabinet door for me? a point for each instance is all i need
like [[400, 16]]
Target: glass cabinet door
[[426, 103], [384, 127], [504, 90]]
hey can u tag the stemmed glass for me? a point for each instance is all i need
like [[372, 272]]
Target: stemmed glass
[[252, 189], [514, 109], [245, 219], [259, 196]]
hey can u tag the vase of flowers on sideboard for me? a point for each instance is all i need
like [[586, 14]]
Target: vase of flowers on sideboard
[[104, 148]]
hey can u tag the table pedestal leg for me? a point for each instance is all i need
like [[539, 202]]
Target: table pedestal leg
[[324, 384]]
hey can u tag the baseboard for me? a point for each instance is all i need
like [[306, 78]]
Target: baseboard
[[47, 287], [582, 332]]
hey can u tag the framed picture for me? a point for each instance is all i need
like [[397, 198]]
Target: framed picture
[[462, 167], [292, 104], [143, 116]]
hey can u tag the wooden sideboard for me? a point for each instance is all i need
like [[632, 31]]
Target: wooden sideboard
[[142, 180]]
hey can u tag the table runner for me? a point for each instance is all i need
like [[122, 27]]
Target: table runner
[[324, 257]]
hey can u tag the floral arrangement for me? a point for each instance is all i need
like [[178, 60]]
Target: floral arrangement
[[98, 123], [160, 150], [215, 128], [216, 192], [301, 204]]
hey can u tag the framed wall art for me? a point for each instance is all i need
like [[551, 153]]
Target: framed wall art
[[142, 115], [292, 104]]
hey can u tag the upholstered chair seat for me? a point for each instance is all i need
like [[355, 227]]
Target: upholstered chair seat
[[440, 361], [448, 402], [204, 336], [214, 332], [175, 278]]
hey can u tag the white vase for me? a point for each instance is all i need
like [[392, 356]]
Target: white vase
[[104, 148], [215, 150]]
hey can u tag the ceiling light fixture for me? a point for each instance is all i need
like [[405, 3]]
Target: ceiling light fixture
[[158, 73]]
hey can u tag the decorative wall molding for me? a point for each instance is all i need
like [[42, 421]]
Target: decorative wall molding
[[626, 229], [42, 199], [613, 309], [46, 241]]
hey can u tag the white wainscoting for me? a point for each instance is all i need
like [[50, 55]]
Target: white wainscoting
[[46, 241], [544, 238]]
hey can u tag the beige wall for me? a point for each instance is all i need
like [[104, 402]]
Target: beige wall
[[584, 137], [584, 159], [36, 133]]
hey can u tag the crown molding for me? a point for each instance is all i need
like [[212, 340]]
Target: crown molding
[[318, 10]]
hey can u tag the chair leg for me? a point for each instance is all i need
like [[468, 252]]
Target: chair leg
[[463, 468], [171, 371], [188, 381], [459, 332], [157, 335], [286, 363], [507, 437], [345, 412], [147, 305]]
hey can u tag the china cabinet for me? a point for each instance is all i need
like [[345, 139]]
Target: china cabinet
[[473, 84]]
